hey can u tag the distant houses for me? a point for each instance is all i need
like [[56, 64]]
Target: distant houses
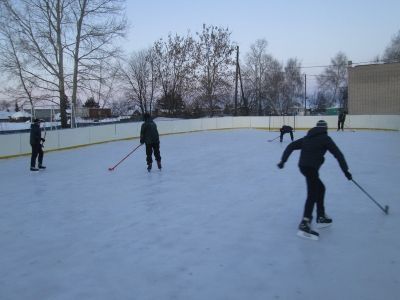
[[5, 116]]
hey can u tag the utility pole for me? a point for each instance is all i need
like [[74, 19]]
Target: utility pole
[[236, 78], [244, 99]]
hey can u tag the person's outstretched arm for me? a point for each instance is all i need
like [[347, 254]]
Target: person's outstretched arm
[[332, 148], [296, 145]]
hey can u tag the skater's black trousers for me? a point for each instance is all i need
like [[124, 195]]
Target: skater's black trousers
[[315, 192], [340, 125], [149, 151], [36, 150], [282, 133]]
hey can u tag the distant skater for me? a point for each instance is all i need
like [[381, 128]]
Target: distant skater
[[149, 136], [313, 148], [37, 146], [286, 129], [341, 120]]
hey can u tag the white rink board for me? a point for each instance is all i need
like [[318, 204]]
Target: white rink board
[[18, 144]]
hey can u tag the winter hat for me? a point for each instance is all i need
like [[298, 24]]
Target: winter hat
[[36, 120], [146, 116], [322, 123]]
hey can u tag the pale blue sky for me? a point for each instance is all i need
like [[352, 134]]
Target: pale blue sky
[[311, 30]]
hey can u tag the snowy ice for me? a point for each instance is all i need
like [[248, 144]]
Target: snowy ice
[[218, 222]]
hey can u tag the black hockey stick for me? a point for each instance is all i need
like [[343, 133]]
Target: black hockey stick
[[384, 209], [45, 132], [274, 139], [112, 168], [351, 129]]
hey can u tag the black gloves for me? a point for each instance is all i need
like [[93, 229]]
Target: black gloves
[[42, 139], [141, 142], [280, 165], [348, 175]]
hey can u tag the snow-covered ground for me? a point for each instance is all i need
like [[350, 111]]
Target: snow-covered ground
[[218, 222]]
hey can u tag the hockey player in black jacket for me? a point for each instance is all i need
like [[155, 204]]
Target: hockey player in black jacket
[[36, 144], [286, 129], [149, 136], [313, 148]]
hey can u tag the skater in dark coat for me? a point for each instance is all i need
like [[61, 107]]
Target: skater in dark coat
[[313, 148], [149, 136], [286, 129], [37, 146], [341, 120]]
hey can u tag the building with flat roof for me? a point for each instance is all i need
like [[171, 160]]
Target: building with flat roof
[[374, 89]]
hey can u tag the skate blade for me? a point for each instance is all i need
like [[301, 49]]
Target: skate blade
[[323, 225], [306, 235]]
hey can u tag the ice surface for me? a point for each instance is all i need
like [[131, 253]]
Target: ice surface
[[218, 222]]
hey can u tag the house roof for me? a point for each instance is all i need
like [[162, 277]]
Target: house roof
[[20, 114], [4, 115]]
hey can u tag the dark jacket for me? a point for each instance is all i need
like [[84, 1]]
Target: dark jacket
[[286, 129], [342, 117], [313, 148], [36, 134], [149, 133]]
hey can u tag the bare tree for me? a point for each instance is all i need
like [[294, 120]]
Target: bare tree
[[65, 40], [104, 84], [120, 107], [40, 24], [14, 63], [214, 56], [5, 105], [175, 64], [139, 78], [392, 51], [96, 24], [332, 83], [273, 85], [271, 88], [255, 74], [292, 88]]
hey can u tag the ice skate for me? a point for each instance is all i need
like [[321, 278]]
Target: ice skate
[[323, 221], [305, 231]]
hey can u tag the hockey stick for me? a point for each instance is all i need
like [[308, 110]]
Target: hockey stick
[[112, 168], [274, 139], [351, 129], [45, 132], [384, 209]]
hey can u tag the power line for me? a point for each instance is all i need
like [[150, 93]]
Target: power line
[[354, 63]]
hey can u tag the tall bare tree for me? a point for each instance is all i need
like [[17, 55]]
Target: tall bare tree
[[257, 63], [214, 56], [332, 83], [175, 64], [273, 84], [13, 63], [293, 86], [96, 25], [139, 77], [105, 83], [40, 24], [65, 41]]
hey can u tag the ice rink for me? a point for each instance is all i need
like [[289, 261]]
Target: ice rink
[[218, 222]]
